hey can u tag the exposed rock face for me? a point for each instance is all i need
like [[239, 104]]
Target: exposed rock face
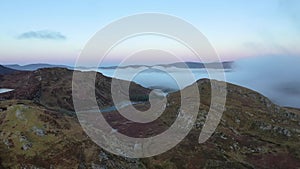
[[253, 132]]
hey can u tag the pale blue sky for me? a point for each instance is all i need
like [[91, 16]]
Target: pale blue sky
[[34, 31]]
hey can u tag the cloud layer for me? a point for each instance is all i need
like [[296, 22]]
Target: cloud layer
[[276, 77], [42, 34]]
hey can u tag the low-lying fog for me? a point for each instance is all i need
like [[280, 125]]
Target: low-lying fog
[[276, 77]]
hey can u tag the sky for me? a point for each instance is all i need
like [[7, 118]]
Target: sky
[[55, 32]]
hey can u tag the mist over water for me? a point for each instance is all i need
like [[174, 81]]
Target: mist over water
[[277, 77]]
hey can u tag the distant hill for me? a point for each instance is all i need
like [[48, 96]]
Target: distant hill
[[32, 67], [5, 70], [198, 65], [191, 65]]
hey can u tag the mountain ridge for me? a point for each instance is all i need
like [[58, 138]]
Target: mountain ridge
[[52, 87], [35, 66], [5, 70], [191, 65]]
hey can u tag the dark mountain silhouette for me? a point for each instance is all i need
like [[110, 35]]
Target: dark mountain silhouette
[[5, 70], [32, 67], [191, 65]]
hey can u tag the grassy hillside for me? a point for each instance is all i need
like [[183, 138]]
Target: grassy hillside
[[253, 133]]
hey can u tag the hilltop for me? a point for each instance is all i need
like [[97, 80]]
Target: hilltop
[[52, 87]]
